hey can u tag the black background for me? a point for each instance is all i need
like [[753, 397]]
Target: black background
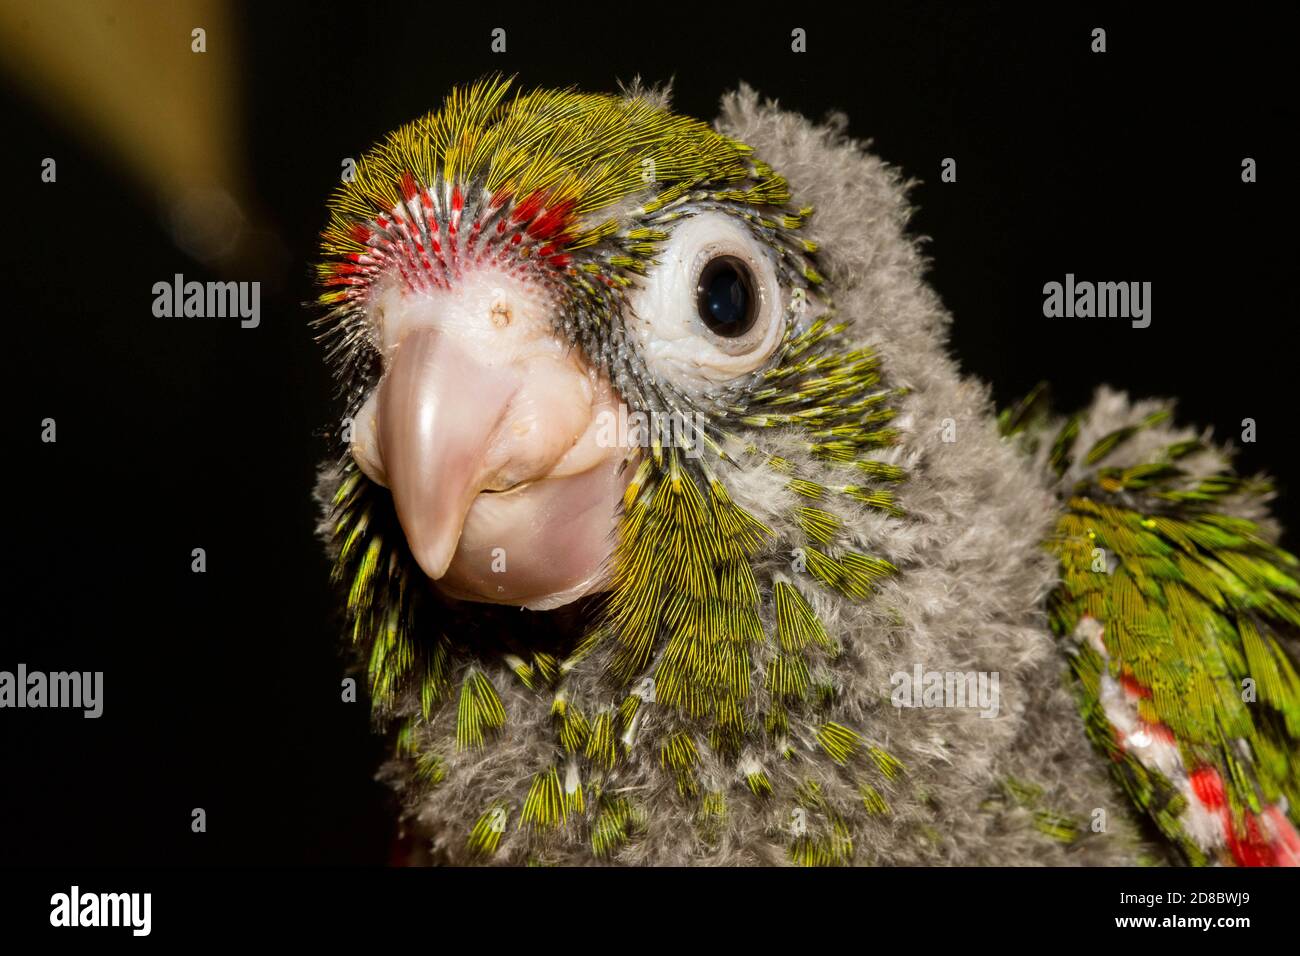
[[222, 689]]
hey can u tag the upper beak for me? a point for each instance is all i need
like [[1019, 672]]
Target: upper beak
[[438, 410]]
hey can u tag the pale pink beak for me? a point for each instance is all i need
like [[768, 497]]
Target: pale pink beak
[[487, 431], [438, 412]]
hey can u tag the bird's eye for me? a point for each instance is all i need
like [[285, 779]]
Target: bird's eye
[[715, 305], [725, 297]]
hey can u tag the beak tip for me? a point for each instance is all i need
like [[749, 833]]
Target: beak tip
[[435, 559]]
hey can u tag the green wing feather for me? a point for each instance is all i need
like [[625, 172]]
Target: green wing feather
[[1194, 611]]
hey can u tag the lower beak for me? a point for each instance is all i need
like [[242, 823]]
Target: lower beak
[[438, 412]]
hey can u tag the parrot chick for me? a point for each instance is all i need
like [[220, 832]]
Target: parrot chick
[[803, 507]]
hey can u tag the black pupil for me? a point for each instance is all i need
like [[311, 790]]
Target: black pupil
[[725, 297]]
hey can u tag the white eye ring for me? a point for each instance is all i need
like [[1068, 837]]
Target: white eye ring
[[664, 315]]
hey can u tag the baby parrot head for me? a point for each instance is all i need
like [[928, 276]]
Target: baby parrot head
[[539, 300], [585, 347]]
